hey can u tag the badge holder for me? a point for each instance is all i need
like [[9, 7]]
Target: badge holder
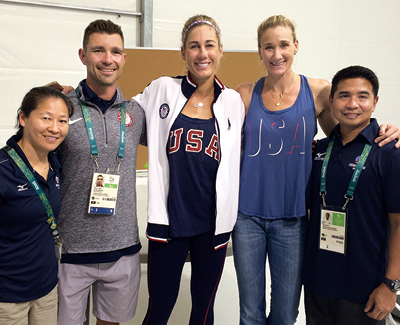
[[58, 249], [51, 220], [333, 229], [333, 222], [103, 194], [104, 187]]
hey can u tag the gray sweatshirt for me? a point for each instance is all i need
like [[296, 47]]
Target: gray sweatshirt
[[95, 233]]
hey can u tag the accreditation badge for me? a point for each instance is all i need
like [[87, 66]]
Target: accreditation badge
[[57, 249], [333, 229], [103, 195]]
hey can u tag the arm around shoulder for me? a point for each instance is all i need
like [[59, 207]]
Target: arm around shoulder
[[321, 89]]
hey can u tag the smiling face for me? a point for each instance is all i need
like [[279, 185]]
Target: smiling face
[[46, 126], [277, 49], [353, 103], [104, 58], [202, 53]]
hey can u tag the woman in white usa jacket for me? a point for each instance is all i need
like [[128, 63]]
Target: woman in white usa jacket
[[194, 129], [168, 96]]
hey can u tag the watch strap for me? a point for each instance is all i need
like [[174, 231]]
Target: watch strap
[[393, 285]]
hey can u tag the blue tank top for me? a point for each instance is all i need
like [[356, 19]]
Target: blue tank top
[[277, 162], [193, 162]]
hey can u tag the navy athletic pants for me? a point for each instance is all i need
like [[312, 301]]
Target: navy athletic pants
[[165, 264]]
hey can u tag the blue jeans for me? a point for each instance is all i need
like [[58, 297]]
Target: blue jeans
[[283, 240]]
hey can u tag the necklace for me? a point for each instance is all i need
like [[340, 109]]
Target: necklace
[[200, 104], [281, 94]]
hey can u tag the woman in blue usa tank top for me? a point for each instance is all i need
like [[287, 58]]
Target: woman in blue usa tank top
[[281, 113]]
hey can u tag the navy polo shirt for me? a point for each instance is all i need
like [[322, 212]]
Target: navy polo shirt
[[355, 275], [28, 265]]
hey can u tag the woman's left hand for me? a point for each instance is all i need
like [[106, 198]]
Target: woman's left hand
[[388, 133], [67, 89]]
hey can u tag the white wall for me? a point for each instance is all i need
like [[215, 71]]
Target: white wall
[[38, 45]]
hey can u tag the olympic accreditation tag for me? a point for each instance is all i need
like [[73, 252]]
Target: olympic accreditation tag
[[333, 229], [103, 195], [58, 248]]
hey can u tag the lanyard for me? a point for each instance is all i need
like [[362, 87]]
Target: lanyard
[[354, 178], [28, 174], [92, 138]]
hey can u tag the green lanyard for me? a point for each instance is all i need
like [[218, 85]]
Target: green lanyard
[[28, 174], [92, 138], [354, 179]]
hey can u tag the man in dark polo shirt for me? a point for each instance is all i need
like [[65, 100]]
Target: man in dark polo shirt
[[352, 264]]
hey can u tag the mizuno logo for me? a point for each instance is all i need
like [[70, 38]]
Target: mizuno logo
[[74, 121], [320, 154], [22, 187], [356, 174]]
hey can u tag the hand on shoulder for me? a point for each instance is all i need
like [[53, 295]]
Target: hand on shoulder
[[68, 89]]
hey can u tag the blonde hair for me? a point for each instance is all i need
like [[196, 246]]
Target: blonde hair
[[274, 21], [199, 20]]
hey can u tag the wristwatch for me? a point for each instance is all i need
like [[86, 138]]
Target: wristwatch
[[394, 285]]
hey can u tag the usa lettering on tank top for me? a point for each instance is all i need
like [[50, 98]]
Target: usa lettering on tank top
[[193, 156], [277, 156]]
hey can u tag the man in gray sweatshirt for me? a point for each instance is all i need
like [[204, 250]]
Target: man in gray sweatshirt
[[98, 224]]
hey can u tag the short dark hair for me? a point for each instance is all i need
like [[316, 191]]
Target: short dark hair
[[34, 97], [355, 71], [103, 27]]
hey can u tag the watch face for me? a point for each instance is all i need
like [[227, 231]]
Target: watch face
[[396, 285]]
